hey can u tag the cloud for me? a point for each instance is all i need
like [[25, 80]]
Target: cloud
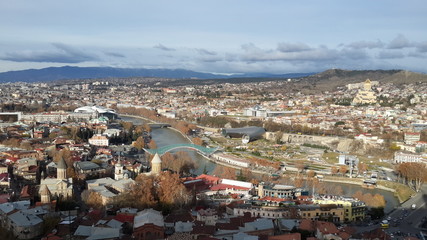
[[62, 54], [399, 42], [164, 48], [205, 52], [113, 54], [253, 53], [353, 54], [365, 44], [293, 47], [390, 55], [421, 47]]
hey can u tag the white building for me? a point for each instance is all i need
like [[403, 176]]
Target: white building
[[412, 137], [232, 160], [99, 140], [400, 157]]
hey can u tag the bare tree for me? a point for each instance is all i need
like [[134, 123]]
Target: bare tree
[[414, 174]]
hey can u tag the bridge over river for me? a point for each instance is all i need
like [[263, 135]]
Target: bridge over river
[[162, 150]]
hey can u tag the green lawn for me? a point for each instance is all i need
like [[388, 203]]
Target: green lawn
[[403, 192], [331, 157]]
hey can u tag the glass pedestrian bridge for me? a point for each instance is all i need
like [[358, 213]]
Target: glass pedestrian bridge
[[203, 150]]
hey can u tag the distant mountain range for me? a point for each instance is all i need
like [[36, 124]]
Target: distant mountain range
[[67, 72], [326, 80]]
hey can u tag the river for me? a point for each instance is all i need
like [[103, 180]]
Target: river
[[166, 136]]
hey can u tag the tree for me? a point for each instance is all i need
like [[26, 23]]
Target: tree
[[334, 170], [299, 181], [147, 127], [152, 144], [170, 190], [197, 141], [92, 199], [311, 173], [128, 126], [414, 174], [139, 143], [225, 172], [300, 166], [362, 167], [343, 169], [142, 193]]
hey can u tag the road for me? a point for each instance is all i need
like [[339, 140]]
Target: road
[[404, 219], [409, 220]]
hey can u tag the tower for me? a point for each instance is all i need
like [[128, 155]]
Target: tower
[[156, 164], [261, 190], [118, 170], [61, 169], [44, 194], [367, 85]]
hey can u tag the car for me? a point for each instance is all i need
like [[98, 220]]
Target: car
[[413, 206]]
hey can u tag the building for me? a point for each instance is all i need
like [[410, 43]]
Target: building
[[276, 190], [324, 212], [247, 134], [148, 225], [156, 164], [87, 168], [412, 137], [25, 225], [208, 216], [103, 187], [401, 157], [365, 95], [354, 210], [59, 186], [98, 111], [227, 186], [99, 140], [348, 160], [92, 232], [231, 159]]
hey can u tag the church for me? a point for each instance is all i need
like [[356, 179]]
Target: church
[[365, 95], [59, 186]]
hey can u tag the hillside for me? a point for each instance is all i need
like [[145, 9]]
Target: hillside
[[332, 78]]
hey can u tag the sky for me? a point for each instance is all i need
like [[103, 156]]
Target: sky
[[216, 36]]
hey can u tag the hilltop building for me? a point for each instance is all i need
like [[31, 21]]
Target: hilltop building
[[365, 95]]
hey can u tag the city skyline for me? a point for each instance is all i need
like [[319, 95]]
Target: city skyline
[[214, 36]]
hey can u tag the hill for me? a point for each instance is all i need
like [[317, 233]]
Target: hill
[[67, 73], [332, 78]]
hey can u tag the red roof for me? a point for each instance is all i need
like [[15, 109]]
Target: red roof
[[289, 236], [307, 224], [124, 218], [227, 186], [327, 227], [209, 178], [272, 199]]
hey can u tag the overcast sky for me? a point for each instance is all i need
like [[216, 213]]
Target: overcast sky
[[220, 36]]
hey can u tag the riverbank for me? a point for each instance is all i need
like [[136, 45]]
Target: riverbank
[[401, 192], [207, 163], [151, 121]]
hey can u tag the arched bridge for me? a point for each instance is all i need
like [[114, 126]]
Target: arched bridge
[[165, 149]]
